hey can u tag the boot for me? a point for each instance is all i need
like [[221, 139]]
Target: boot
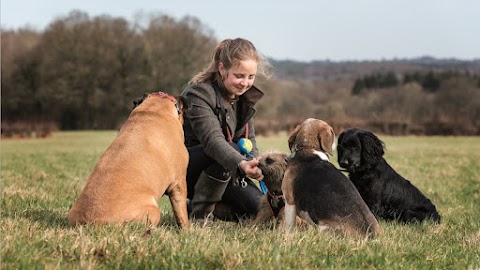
[[208, 191]]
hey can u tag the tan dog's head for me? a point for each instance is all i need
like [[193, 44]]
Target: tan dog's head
[[312, 134], [273, 165], [180, 102]]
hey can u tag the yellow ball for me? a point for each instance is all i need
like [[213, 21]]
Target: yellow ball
[[245, 146]]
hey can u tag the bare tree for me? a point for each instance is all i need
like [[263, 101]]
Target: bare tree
[[19, 75], [457, 104], [89, 69], [176, 50]]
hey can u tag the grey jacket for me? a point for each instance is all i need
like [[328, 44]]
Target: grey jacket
[[203, 122]]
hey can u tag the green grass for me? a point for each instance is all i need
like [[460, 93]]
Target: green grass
[[42, 178]]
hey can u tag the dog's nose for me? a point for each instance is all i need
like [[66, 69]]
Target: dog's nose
[[344, 163]]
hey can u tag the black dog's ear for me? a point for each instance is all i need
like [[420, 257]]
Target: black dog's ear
[[372, 147], [342, 136], [340, 140]]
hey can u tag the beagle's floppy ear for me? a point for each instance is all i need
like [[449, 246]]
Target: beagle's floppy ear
[[326, 137], [293, 136]]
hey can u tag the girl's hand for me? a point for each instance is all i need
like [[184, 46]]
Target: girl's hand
[[250, 168]]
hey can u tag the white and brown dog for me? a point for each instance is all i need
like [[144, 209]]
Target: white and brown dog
[[147, 159], [317, 191]]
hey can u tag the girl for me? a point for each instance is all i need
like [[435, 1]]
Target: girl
[[220, 108]]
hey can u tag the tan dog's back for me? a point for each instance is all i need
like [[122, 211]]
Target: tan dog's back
[[147, 159]]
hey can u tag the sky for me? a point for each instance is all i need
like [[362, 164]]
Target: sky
[[302, 30]]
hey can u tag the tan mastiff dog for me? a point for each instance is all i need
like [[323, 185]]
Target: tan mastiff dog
[[147, 160]]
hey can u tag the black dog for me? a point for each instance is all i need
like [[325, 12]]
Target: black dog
[[387, 194]]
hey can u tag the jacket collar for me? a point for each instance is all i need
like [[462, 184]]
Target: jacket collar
[[252, 96]]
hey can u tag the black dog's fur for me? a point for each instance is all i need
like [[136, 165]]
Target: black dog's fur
[[387, 194]]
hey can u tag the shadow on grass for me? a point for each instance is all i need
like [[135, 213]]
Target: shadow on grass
[[47, 218], [57, 218]]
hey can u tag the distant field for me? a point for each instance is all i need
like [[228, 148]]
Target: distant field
[[41, 178]]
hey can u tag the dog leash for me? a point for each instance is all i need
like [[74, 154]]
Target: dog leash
[[244, 144]]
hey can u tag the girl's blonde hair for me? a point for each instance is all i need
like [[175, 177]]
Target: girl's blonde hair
[[230, 52]]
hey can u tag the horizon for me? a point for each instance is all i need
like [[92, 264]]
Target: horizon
[[413, 58]]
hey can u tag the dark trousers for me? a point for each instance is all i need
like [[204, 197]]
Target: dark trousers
[[237, 201]]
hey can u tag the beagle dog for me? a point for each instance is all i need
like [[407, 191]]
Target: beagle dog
[[317, 191]]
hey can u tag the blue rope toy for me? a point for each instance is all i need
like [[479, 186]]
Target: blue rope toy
[[245, 146]]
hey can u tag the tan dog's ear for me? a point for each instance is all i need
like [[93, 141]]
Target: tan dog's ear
[[327, 137], [182, 104], [293, 136]]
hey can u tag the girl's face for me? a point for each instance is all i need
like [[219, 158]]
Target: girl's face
[[239, 78]]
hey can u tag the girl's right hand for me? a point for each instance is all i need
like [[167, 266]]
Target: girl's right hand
[[251, 169]]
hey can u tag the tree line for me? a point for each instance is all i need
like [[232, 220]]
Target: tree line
[[429, 81], [404, 108], [83, 72]]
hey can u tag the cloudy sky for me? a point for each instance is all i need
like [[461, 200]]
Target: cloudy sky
[[298, 30]]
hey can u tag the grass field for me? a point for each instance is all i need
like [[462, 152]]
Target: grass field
[[42, 178]]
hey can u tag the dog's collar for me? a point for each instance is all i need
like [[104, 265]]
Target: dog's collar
[[321, 154], [294, 150], [276, 202], [273, 194], [167, 96]]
